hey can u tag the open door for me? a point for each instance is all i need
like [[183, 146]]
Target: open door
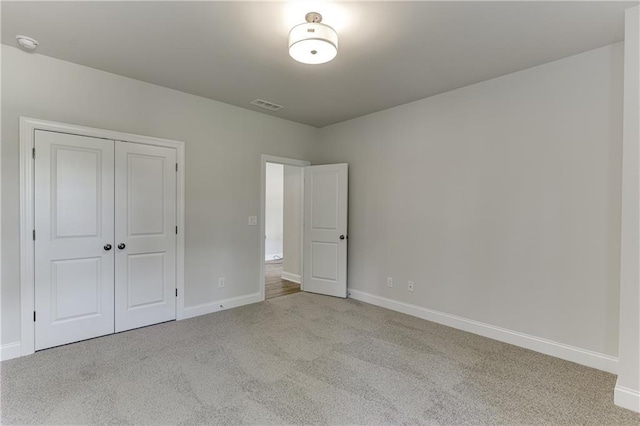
[[325, 229]]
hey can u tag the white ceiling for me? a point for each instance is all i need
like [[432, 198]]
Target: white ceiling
[[390, 52]]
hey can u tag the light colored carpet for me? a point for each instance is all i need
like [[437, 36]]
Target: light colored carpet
[[303, 359]]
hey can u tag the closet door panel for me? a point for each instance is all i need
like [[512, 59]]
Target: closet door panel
[[145, 229], [74, 224]]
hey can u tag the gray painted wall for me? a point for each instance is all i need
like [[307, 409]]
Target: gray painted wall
[[293, 193], [501, 200], [274, 211], [223, 148]]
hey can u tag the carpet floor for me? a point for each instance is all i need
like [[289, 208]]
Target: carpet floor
[[303, 359]]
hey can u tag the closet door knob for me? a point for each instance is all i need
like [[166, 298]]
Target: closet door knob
[[121, 246], [342, 237], [107, 247]]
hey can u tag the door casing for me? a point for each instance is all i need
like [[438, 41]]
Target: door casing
[[28, 126]]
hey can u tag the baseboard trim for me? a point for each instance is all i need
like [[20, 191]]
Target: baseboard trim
[[10, 351], [548, 347], [291, 277], [220, 305], [626, 398]]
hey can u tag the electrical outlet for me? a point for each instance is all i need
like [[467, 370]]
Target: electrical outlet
[[221, 282], [389, 282], [410, 286], [253, 220]]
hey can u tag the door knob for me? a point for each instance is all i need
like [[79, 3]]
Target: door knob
[[121, 246], [107, 247], [342, 237]]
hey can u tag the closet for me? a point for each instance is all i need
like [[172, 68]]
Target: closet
[[105, 236]]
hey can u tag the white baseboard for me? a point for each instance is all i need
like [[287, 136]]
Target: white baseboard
[[291, 277], [560, 350], [626, 398], [220, 305], [273, 256], [9, 351]]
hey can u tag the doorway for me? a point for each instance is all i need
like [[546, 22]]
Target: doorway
[[283, 229], [282, 226], [323, 227]]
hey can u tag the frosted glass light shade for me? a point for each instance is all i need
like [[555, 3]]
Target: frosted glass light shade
[[313, 43]]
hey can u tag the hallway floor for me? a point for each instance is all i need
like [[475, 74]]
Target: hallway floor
[[275, 286]]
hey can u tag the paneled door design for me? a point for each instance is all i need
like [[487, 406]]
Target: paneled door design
[[325, 229], [145, 235], [74, 225]]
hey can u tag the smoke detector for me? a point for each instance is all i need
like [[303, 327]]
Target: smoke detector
[[27, 43]]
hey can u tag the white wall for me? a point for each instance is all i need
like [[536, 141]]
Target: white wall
[[501, 200], [223, 148], [293, 193], [274, 211]]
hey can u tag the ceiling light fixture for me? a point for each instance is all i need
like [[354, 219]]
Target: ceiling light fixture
[[27, 42], [313, 42]]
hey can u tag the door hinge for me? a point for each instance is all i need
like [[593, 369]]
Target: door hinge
[[176, 292], [176, 230], [34, 235], [176, 167], [33, 153], [34, 316]]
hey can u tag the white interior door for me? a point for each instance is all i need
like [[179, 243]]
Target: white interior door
[[325, 229], [74, 238], [145, 235]]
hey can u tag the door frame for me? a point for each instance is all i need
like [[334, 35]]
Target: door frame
[[264, 159], [28, 126]]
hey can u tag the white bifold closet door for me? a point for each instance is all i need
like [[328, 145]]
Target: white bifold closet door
[[74, 257], [145, 235], [105, 237]]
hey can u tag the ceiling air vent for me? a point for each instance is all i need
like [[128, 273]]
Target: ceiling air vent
[[266, 105]]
